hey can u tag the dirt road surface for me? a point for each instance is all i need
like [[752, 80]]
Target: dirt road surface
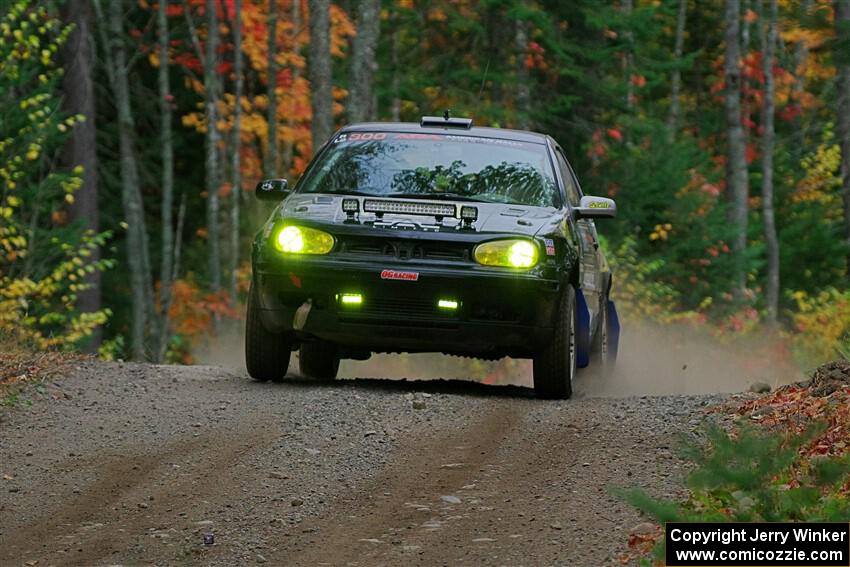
[[123, 464]]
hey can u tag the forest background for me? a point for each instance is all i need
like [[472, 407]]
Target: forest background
[[133, 132]]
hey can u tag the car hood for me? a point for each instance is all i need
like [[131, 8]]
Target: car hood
[[492, 217]]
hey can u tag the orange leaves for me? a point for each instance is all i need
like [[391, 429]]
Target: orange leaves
[[192, 310], [534, 58], [794, 408], [342, 29]]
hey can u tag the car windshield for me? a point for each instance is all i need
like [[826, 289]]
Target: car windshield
[[441, 166]]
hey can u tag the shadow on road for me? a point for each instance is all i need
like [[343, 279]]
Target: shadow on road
[[431, 386]]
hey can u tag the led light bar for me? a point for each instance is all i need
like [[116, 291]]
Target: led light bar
[[350, 205], [351, 299], [408, 208], [447, 304]]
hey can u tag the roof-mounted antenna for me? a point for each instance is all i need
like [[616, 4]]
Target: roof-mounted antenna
[[447, 114]]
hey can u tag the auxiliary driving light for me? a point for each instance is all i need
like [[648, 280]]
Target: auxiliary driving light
[[351, 205], [351, 299], [469, 213], [449, 304]]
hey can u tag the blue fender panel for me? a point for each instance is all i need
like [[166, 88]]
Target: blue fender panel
[[613, 330], [582, 331]]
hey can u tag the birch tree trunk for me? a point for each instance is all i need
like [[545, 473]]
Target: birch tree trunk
[[138, 260], [271, 153], [320, 72], [78, 88], [676, 79], [842, 27], [363, 61], [236, 179], [212, 141], [768, 49], [523, 94], [736, 163], [166, 272]]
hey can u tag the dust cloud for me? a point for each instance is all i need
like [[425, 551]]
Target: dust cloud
[[680, 360], [652, 361]]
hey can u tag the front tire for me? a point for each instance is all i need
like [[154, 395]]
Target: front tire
[[266, 353], [320, 360], [555, 364]]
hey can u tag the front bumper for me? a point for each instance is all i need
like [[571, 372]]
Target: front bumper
[[499, 312]]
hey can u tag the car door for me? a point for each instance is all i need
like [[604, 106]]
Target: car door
[[590, 260]]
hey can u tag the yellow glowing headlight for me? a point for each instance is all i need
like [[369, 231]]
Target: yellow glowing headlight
[[303, 240], [507, 253]]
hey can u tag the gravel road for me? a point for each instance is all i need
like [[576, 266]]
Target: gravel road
[[124, 464]]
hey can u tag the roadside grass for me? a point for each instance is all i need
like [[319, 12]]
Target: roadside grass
[[782, 457], [24, 370]]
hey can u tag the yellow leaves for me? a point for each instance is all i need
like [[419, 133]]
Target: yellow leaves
[[660, 231], [822, 178], [822, 322]]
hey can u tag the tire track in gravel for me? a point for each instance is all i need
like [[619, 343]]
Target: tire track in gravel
[[528, 475], [398, 502], [132, 491]]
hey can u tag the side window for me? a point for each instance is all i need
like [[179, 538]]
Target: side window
[[573, 194]]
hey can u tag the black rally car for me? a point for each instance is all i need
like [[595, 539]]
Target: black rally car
[[432, 237]]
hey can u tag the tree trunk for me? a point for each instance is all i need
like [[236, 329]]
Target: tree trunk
[[80, 150], [628, 58], [842, 26], [363, 61], [676, 80], [523, 93], [166, 275], [395, 105], [236, 180], [768, 48], [736, 162], [320, 72], [271, 80], [131, 197], [800, 56], [212, 140], [289, 143]]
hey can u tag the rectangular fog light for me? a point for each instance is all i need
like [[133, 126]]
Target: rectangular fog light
[[351, 299], [450, 304]]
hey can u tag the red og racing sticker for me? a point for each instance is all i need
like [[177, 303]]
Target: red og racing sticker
[[396, 275]]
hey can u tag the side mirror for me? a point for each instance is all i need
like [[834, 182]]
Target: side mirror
[[272, 189], [595, 208]]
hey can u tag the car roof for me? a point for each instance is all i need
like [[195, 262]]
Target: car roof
[[480, 131]]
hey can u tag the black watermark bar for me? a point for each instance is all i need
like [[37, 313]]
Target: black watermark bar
[[757, 544]]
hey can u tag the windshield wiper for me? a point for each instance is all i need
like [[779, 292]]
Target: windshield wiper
[[436, 196]]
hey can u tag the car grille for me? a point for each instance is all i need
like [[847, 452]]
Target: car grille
[[400, 311], [406, 249]]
